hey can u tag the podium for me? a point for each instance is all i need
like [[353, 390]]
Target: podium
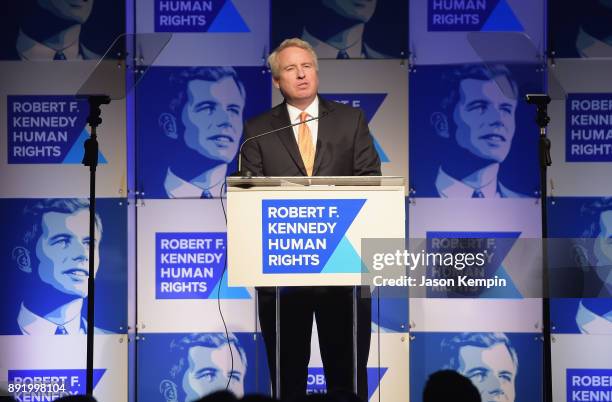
[[308, 231]]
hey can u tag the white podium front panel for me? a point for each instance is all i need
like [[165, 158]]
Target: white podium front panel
[[307, 235]]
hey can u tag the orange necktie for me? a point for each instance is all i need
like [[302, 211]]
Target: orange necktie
[[305, 145]]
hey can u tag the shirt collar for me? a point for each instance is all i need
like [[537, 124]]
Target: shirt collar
[[29, 49], [449, 187], [592, 323], [312, 110], [178, 188], [326, 51], [33, 324]]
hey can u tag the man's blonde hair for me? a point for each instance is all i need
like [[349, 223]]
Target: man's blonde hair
[[293, 42]]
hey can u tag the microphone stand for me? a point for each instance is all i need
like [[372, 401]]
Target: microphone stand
[[90, 158], [542, 119]]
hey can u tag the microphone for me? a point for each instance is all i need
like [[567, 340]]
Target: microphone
[[249, 173]]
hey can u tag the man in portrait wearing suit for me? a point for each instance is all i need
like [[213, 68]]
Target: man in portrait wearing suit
[[51, 30], [488, 359], [594, 312], [53, 255], [581, 31], [338, 144], [204, 124], [335, 29], [202, 364], [476, 122]]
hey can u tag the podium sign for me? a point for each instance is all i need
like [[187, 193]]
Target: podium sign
[[307, 231]]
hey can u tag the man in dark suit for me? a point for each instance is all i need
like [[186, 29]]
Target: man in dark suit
[[344, 147]]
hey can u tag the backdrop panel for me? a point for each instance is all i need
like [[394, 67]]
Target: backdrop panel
[[43, 128], [580, 127], [190, 122], [29, 30], [470, 128], [187, 366], [581, 367], [44, 284], [344, 29], [63, 357], [441, 31], [181, 270], [580, 31], [581, 270], [504, 366], [208, 33]]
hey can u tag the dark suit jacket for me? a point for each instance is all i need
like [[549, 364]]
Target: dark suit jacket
[[344, 145]]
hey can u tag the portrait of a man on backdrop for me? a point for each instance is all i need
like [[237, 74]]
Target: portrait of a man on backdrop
[[488, 359], [335, 29], [51, 30], [52, 254], [476, 121], [204, 121], [594, 252], [202, 364]]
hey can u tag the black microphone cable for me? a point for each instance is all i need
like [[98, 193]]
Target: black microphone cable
[[227, 337]]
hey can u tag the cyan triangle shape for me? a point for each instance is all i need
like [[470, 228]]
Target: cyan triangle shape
[[227, 292], [228, 20], [75, 154], [381, 152], [508, 292], [343, 260], [503, 19]]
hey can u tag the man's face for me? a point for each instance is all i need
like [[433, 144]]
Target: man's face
[[491, 370], [298, 79], [602, 248], [212, 117], [359, 10], [485, 119], [77, 11], [63, 251], [210, 370]]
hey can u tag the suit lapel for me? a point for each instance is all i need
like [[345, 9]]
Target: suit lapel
[[323, 131], [286, 137]]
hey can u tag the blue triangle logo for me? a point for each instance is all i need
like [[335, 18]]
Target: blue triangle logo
[[381, 152], [344, 259], [75, 155], [228, 20], [503, 19], [374, 380], [227, 292]]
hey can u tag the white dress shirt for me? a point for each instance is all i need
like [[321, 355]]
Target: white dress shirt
[[449, 187], [178, 188], [29, 49], [33, 324], [592, 323], [313, 111]]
